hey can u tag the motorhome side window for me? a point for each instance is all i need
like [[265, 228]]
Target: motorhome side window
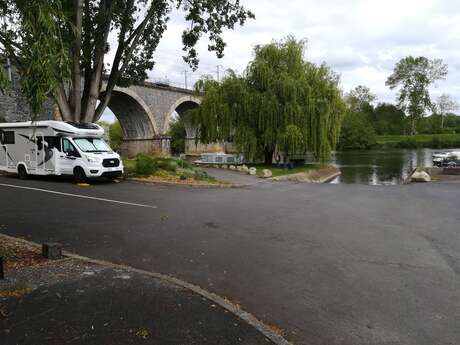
[[53, 143], [7, 138], [68, 148]]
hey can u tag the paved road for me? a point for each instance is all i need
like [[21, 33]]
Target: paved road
[[329, 264], [233, 177]]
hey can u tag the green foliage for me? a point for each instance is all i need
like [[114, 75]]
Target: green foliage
[[115, 135], [388, 119], [360, 98], [414, 77], [145, 165], [166, 164], [356, 132], [148, 165], [38, 48], [4, 82], [436, 141], [292, 141], [177, 134], [280, 101], [55, 42]]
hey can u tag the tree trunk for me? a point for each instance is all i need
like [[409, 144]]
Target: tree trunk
[[413, 129], [268, 156], [75, 97], [442, 121]]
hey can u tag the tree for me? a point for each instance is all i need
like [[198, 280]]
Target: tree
[[115, 135], [177, 134], [414, 75], [389, 119], [360, 98], [356, 133], [60, 46], [445, 105], [280, 103]]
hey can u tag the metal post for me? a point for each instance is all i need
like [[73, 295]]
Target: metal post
[[218, 73], [185, 75]]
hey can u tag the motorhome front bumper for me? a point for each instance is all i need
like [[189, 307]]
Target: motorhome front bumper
[[112, 174]]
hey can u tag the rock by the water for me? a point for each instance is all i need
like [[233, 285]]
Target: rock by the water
[[420, 176], [266, 173], [232, 167], [253, 171], [244, 168]]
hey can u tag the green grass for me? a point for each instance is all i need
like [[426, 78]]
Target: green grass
[[419, 141], [280, 171]]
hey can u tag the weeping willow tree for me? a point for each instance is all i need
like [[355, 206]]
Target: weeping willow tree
[[281, 102]]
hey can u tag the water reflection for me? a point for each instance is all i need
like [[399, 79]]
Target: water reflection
[[379, 167]]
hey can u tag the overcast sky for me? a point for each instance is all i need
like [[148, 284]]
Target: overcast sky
[[360, 39]]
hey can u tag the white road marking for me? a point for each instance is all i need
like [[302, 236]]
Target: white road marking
[[76, 195]]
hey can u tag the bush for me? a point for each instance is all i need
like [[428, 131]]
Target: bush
[[145, 165], [356, 133], [167, 164], [185, 164], [177, 133], [200, 173]]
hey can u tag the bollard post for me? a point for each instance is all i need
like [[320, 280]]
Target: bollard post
[[2, 272], [52, 251]]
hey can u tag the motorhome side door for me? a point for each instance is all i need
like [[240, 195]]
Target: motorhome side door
[[40, 151], [68, 157]]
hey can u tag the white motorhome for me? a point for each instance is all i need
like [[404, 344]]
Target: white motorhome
[[57, 148]]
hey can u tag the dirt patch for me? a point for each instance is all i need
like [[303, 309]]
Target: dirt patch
[[17, 255]]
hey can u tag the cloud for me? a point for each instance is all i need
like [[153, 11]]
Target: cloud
[[362, 40]]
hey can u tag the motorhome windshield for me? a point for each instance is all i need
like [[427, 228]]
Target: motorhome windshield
[[92, 145]]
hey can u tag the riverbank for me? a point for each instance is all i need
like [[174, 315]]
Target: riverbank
[[434, 141], [318, 175]]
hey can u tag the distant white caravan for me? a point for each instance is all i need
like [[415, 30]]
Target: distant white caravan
[[57, 148]]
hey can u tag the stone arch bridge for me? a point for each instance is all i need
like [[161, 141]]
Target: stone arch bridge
[[143, 110]]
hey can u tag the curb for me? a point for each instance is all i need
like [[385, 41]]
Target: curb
[[224, 303], [204, 186]]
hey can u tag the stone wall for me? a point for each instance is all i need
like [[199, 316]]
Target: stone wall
[[192, 148], [159, 145], [14, 106]]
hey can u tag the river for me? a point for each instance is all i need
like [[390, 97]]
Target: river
[[379, 167]]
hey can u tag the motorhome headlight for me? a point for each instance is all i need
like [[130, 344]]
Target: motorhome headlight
[[93, 159]]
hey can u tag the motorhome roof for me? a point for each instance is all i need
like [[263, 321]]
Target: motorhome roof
[[70, 128]]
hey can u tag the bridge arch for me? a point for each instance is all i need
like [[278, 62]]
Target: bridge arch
[[136, 118], [181, 106]]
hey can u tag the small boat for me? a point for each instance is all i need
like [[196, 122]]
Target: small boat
[[446, 159]]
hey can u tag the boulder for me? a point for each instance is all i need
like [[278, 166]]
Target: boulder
[[239, 168], [232, 167], [420, 176], [244, 168], [253, 171], [266, 173]]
